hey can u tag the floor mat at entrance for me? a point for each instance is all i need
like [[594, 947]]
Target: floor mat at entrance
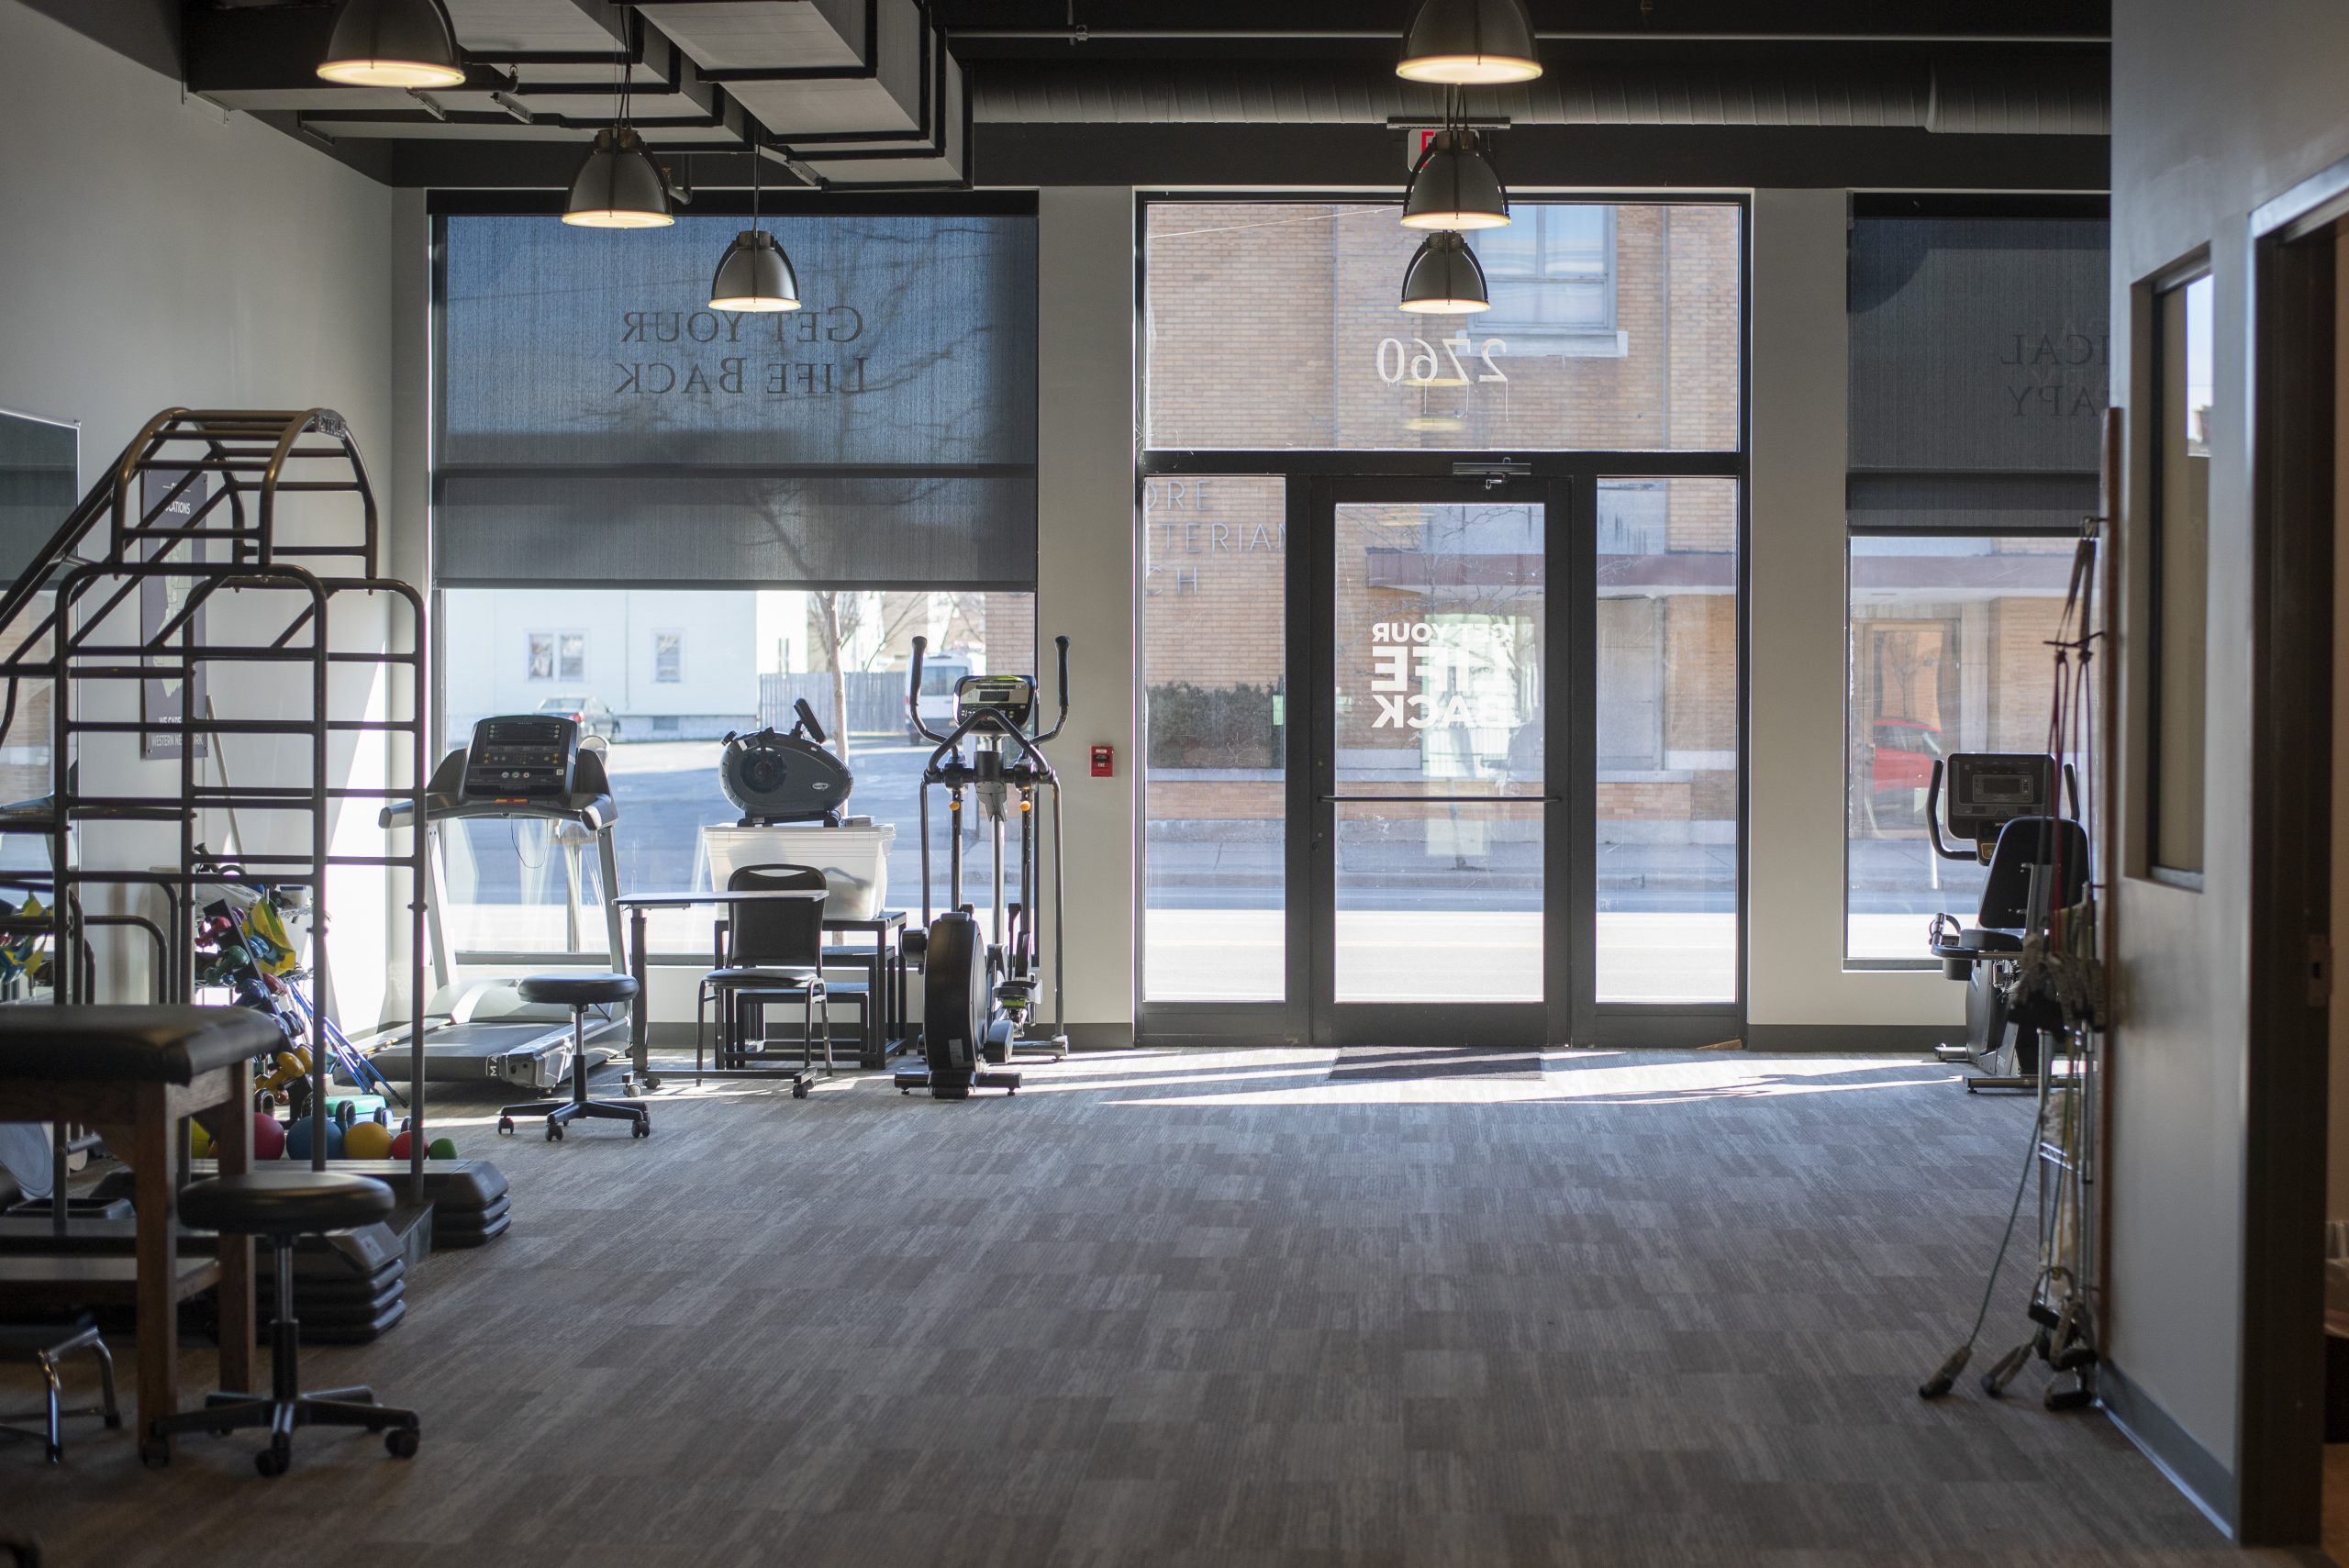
[[1393, 1063]]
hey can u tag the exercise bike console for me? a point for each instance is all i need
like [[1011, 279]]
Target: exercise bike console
[[1987, 790]]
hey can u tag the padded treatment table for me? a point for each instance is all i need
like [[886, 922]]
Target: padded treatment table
[[135, 1073]]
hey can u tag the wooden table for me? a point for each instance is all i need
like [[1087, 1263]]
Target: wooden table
[[140, 1117], [885, 1002]]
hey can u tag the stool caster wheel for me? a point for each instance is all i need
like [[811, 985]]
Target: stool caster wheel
[[652, 1080], [554, 1132], [400, 1442], [628, 1084], [276, 1459], [506, 1127], [640, 1130], [799, 1090], [154, 1453]]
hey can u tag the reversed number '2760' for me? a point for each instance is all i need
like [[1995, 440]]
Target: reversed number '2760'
[[1418, 362]]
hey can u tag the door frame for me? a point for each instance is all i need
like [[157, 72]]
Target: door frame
[[1592, 1023], [1311, 837], [2294, 301]]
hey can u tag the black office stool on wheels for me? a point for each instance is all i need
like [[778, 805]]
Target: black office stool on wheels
[[579, 993], [278, 1207]]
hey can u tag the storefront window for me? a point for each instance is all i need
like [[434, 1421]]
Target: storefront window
[[1273, 324]]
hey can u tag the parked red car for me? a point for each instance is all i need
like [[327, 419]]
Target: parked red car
[[1901, 754]]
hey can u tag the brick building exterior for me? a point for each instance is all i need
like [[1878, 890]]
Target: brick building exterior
[[1314, 354]]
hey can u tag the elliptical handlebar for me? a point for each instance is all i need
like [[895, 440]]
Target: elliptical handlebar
[[1061, 642], [807, 721], [983, 719], [913, 697], [1933, 818]]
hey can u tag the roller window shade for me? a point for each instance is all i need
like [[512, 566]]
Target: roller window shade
[[1978, 370], [599, 424]]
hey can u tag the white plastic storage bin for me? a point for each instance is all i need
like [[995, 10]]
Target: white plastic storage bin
[[854, 861]]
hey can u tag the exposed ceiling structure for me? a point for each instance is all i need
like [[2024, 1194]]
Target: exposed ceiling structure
[[891, 94]]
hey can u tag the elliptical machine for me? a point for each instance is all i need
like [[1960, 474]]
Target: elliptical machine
[[978, 992]]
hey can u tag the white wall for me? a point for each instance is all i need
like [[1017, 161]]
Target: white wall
[[1794, 973], [155, 252], [1085, 575], [2216, 109]]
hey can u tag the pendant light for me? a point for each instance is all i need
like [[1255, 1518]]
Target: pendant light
[[755, 273], [1444, 278], [393, 43], [1477, 43], [619, 185], [1455, 187]]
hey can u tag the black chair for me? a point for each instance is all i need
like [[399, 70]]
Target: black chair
[[279, 1206], [769, 951], [579, 993]]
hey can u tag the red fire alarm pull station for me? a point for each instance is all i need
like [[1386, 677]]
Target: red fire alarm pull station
[[1105, 762]]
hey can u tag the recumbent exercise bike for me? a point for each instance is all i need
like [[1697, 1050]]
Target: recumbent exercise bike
[[2001, 808], [978, 991]]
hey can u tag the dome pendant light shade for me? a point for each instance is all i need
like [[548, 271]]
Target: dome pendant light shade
[[754, 275], [1455, 187], [1444, 279], [1469, 43], [393, 43], [618, 186]]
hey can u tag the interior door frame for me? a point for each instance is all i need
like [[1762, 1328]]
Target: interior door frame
[[2280, 1449], [1312, 845]]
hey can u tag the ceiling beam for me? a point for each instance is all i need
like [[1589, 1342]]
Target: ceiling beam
[[1339, 21]]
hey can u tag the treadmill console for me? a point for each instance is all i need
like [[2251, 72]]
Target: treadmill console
[[522, 757], [1012, 699], [1987, 790]]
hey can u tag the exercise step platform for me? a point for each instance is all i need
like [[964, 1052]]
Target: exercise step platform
[[458, 1229], [340, 1253], [351, 1312], [350, 1287], [466, 1197], [77, 1209]]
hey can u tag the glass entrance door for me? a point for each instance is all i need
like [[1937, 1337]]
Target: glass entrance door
[[1435, 824]]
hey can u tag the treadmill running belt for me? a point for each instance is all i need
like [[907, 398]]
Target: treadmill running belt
[[1398, 1063]]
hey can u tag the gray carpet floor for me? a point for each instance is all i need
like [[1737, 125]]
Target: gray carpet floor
[[1229, 1308]]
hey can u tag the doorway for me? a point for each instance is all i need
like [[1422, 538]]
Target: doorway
[[1436, 828], [1451, 755]]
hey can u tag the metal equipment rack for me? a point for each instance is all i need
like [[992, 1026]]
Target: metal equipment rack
[[71, 620]]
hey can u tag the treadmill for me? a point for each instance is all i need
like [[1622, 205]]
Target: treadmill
[[519, 768]]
